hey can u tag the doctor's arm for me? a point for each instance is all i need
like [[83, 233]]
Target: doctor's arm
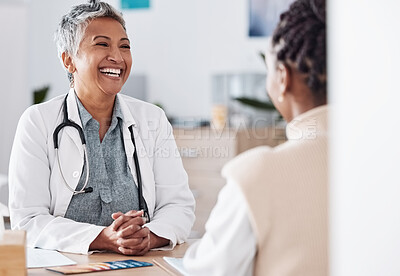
[[173, 216], [31, 193]]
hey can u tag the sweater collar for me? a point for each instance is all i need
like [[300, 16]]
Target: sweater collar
[[308, 125]]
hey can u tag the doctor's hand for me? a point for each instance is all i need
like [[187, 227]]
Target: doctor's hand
[[132, 241], [124, 224]]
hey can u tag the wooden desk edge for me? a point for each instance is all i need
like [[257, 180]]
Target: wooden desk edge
[[153, 256], [165, 266]]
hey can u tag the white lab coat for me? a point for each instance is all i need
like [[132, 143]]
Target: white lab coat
[[229, 245], [39, 197]]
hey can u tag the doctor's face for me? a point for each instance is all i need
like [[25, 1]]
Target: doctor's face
[[103, 62]]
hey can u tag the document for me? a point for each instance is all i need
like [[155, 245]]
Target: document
[[45, 258], [176, 263], [94, 267]]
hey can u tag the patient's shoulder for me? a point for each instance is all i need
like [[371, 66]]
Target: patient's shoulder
[[249, 161]]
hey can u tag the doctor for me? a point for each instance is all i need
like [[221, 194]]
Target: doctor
[[93, 169]]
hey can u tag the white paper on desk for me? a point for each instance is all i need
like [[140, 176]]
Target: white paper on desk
[[176, 263], [45, 258]]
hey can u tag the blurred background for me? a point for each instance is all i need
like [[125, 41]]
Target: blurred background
[[187, 55]]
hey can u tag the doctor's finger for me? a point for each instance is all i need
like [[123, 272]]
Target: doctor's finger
[[131, 243], [140, 248], [134, 213], [123, 219], [116, 215], [132, 221], [131, 252], [146, 245], [128, 231], [117, 222], [143, 232]]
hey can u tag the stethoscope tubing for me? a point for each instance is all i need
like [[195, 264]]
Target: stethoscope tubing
[[83, 189], [142, 202], [68, 123]]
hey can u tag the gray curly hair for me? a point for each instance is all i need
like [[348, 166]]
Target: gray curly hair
[[72, 27]]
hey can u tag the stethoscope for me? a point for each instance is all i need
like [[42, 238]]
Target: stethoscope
[[68, 123]]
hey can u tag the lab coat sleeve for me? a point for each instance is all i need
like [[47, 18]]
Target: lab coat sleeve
[[31, 195], [174, 207], [229, 245]]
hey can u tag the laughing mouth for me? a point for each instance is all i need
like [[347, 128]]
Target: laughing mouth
[[112, 72]]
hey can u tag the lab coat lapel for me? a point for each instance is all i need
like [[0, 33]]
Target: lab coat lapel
[[129, 147], [144, 162], [145, 169]]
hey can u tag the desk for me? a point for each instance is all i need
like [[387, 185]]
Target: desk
[[154, 270]]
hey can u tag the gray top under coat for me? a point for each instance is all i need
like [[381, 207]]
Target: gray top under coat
[[114, 188]]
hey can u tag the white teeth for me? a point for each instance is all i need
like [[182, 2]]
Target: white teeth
[[111, 71]]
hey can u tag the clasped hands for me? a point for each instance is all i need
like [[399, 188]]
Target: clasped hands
[[126, 235]]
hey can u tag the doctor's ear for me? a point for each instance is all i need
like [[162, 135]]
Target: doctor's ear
[[68, 62], [284, 78]]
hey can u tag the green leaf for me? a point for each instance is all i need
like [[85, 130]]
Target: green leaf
[[256, 103], [39, 95]]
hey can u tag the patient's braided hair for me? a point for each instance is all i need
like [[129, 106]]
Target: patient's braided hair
[[300, 41]]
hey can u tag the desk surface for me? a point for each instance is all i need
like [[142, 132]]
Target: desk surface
[[155, 270]]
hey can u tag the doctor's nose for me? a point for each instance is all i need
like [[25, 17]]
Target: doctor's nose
[[115, 55]]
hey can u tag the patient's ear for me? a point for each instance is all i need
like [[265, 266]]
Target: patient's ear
[[284, 78], [68, 62]]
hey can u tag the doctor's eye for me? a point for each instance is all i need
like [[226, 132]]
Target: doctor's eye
[[102, 44]]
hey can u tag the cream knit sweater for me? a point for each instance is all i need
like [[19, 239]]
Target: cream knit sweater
[[286, 191]]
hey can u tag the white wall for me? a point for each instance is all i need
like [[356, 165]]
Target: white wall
[[14, 93], [364, 88], [177, 44]]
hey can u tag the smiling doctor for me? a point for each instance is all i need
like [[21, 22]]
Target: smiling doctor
[[93, 169]]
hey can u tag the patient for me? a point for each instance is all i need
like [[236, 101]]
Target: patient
[[271, 217]]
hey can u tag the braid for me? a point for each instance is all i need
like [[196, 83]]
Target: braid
[[300, 40]]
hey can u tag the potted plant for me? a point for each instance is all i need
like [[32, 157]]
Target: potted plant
[[39, 95]]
